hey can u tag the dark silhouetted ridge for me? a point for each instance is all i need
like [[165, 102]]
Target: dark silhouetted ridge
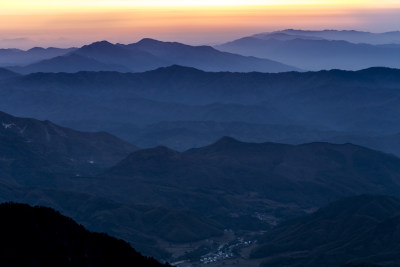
[[38, 236]]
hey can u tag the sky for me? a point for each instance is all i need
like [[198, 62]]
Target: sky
[[66, 23]]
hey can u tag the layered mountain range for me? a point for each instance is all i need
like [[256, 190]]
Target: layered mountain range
[[279, 51], [144, 55], [184, 197], [209, 181], [308, 175], [17, 57], [316, 50], [206, 160], [352, 36], [184, 107]]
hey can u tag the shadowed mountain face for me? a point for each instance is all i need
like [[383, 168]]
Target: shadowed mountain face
[[309, 175], [32, 149], [38, 236], [143, 226], [315, 52], [356, 229], [150, 54]]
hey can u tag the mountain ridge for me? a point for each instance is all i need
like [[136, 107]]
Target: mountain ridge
[[149, 54], [309, 174], [316, 54], [348, 230], [36, 152], [353, 36]]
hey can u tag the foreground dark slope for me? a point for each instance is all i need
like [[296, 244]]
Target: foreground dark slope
[[232, 176], [42, 237], [143, 226], [45, 164], [356, 229], [149, 54], [35, 152]]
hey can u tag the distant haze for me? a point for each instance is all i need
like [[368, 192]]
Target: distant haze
[[74, 23]]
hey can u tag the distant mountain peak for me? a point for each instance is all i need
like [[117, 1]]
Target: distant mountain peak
[[149, 41], [104, 42], [99, 44], [326, 30], [36, 49], [176, 68]]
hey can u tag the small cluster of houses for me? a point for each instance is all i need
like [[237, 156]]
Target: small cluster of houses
[[216, 257], [226, 252]]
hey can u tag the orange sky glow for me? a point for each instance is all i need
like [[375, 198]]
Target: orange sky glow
[[25, 23]]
